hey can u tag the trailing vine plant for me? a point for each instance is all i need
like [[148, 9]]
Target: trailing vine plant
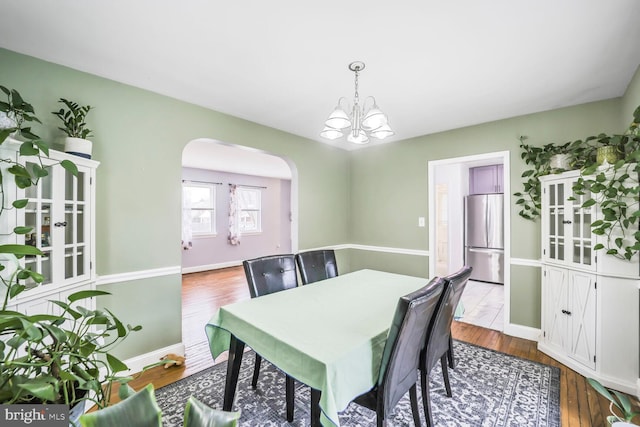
[[613, 187]]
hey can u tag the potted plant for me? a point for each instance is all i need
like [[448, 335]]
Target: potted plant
[[620, 405], [550, 158], [17, 112], [612, 184], [74, 126], [49, 358]]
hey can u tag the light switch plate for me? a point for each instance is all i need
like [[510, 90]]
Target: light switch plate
[[420, 221]]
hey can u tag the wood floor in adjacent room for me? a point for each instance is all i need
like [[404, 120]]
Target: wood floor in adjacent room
[[203, 293]]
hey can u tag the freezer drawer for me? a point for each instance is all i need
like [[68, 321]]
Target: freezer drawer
[[487, 264]]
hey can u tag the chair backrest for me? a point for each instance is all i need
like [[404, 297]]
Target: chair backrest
[[437, 339], [269, 274], [139, 410], [317, 265], [401, 354]]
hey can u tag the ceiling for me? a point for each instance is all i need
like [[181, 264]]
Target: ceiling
[[431, 65]]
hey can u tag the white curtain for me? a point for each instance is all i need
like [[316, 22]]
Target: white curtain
[[187, 232], [234, 226]]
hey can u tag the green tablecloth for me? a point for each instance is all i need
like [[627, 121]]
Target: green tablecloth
[[328, 335]]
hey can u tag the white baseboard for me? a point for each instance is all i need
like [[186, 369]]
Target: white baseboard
[[638, 389], [199, 268], [136, 364], [519, 331]]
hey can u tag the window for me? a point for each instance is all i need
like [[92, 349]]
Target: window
[[249, 209], [200, 200]]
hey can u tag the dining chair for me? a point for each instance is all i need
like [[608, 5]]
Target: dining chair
[[266, 275], [438, 338], [140, 409], [197, 414], [401, 355], [317, 265]]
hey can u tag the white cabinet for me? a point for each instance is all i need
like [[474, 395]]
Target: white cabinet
[[570, 313], [590, 305], [486, 179], [60, 211]]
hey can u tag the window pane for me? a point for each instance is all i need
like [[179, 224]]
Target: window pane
[[249, 221], [200, 197], [200, 203], [250, 209], [201, 221]]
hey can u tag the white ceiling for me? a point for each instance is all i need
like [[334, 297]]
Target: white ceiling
[[432, 65]]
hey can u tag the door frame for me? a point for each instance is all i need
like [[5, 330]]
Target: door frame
[[472, 161]]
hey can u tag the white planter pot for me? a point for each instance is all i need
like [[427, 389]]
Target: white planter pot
[[560, 161], [78, 146]]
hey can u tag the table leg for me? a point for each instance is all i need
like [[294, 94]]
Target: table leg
[[315, 408], [236, 348]]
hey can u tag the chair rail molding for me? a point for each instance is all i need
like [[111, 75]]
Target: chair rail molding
[[137, 275]]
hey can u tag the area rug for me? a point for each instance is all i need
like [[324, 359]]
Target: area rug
[[489, 389]]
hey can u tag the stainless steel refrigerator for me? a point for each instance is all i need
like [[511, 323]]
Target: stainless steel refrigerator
[[484, 236]]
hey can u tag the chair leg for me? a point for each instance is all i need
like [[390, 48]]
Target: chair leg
[[413, 395], [256, 371], [426, 398], [452, 361], [290, 394], [445, 374]]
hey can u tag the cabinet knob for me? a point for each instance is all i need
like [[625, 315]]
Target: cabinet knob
[[61, 224]]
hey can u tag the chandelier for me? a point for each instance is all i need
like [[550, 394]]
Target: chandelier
[[364, 121]]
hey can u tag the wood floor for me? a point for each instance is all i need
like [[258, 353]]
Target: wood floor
[[203, 293]]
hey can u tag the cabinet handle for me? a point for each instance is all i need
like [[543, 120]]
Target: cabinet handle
[[566, 221], [61, 224], [568, 313]]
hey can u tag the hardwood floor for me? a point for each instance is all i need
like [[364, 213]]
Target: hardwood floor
[[203, 293]]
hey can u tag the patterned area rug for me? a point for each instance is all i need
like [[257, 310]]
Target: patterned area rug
[[489, 389]]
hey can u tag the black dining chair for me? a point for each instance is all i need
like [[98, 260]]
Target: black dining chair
[[266, 275], [438, 338], [401, 355], [317, 265]]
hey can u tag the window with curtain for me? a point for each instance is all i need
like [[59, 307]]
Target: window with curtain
[[249, 209], [201, 201]]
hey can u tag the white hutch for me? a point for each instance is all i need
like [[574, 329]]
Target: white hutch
[[590, 300]]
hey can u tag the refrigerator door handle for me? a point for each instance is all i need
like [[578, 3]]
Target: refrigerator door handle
[[484, 250]]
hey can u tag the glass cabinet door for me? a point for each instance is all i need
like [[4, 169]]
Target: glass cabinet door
[[75, 242], [37, 215], [556, 213], [581, 237]]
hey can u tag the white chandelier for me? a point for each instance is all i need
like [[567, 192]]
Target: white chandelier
[[364, 122]]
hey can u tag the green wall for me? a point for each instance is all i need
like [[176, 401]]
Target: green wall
[[390, 190], [139, 138], [369, 197]]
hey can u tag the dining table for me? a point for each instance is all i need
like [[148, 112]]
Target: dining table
[[328, 335]]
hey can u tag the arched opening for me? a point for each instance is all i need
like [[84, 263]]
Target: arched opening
[[265, 202]]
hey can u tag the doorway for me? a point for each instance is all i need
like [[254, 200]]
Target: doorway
[[485, 304]]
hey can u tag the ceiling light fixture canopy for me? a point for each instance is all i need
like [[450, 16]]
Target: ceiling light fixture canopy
[[364, 122]]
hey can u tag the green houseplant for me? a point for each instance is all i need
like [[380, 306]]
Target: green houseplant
[[613, 185], [540, 161], [48, 358], [620, 405], [73, 117]]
